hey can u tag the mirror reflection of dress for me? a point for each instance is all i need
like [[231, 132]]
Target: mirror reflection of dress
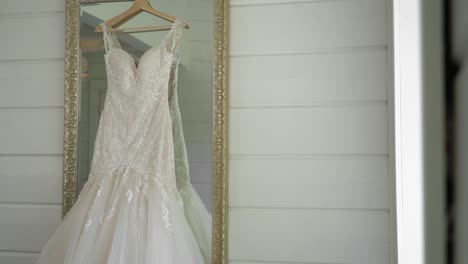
[[130, 210], [196, 212]]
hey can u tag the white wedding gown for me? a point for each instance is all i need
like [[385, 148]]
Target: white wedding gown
[[133, 209]]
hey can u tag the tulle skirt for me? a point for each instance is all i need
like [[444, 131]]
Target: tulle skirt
[[123, 219], [198, 218]]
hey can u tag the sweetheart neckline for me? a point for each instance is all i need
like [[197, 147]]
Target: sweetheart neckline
[[135, 64], [161, 44]]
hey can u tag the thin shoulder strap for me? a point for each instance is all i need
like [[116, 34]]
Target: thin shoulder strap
[[109, 39], [174, 36], [105, 36]]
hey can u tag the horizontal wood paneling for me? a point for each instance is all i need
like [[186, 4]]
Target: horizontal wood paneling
[[31, 179], [309, 182], [308, 78], [41, 83], [308, 132], [360, 129], [38, 36], [28, 6], [31, 189], [275, 262], [31, 131], [235, 3], [18, 258], [307, 26], [31, 122], [27, 228], [31, 165], [308, 236]]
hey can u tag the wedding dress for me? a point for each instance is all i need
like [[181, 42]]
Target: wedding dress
[[130, 211], [196, 212]]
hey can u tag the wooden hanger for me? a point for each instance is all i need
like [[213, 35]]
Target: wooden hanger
[[137, 7]]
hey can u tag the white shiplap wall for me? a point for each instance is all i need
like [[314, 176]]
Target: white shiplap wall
[[309, 132], [31, 131], [309, 170]]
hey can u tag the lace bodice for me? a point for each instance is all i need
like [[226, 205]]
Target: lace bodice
[[135, 128]]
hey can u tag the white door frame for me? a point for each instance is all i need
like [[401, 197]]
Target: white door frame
[[417, 71], [408, 130]]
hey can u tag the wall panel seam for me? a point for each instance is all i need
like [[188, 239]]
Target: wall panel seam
[[29, 155], [307, 156], [324, 104], [278, 262], [45, 59], [57, 154], [30, 107], [29, 205], [233, 3], [30, 14], [19, 253], [32, 61], [279, 208], [332, 50], [21, 204]]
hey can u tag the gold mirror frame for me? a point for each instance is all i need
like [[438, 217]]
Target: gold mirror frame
[[220, 118]]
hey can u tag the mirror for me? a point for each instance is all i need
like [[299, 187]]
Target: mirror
[[198, 93], [195, 82]]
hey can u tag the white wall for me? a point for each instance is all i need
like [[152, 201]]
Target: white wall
[[309, 169], [31, 131], [309, 133], [419, 131]]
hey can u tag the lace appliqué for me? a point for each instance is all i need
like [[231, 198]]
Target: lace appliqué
[[133, 154]]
